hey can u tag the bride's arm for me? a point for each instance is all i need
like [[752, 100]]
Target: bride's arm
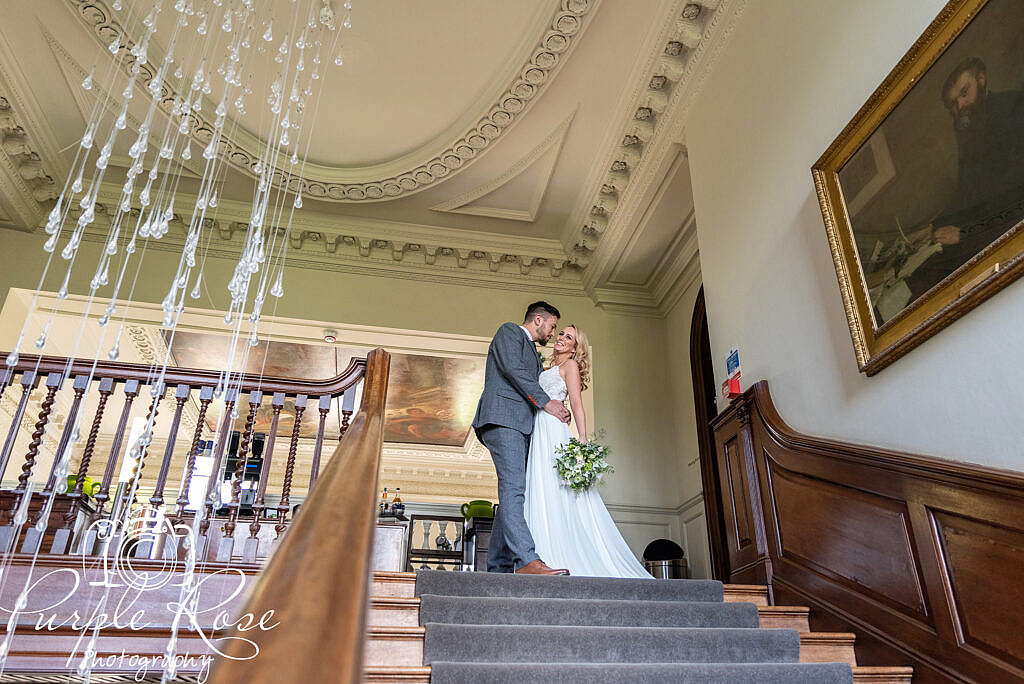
[[571, 374]]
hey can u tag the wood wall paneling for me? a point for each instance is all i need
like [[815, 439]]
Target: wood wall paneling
[[920, 556]]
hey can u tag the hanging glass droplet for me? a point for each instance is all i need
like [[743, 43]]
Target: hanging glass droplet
[[12, 358], [67, 252], [114, 352], [226, 26], [213, 200], [194, 294], [41, 340], [348, 21], [50, 244], [227, 318], [338, 61], [268, 35], [298, 201], [116, 5], [115, 46], [63, 292], [87, 83], [201, 29], [186, 152]]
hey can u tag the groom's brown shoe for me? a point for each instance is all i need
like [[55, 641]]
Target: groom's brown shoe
[[538, 567]]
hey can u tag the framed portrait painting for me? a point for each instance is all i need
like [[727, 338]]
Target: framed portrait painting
[[922, 193]]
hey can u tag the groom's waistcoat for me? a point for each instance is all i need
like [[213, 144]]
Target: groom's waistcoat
[[511, 391]]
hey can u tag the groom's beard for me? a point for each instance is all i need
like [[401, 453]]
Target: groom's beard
[[542, 343]]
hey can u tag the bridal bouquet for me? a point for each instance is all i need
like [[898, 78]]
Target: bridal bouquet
[[580, 465]]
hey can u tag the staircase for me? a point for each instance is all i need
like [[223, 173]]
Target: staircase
[[446, 627]]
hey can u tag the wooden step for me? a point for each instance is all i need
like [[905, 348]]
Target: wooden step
[[883, 675], [421, 675], [785, 617], [393, 611], [403, 646], [394, 584], [827, 647], [403, 585], [382, 675], [746, 593], [394, 646]]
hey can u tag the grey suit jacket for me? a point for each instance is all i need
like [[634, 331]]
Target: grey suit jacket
[[511, 391]]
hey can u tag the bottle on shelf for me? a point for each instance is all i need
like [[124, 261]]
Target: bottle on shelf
[[397, 507], [385, 507]]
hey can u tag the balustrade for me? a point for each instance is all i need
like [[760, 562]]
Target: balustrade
[[76, 395]]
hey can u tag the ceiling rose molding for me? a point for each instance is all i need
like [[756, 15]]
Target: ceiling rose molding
[[554, 140], [241, 149], [681, 70]]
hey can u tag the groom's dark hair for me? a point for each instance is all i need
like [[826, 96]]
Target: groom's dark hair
[[542, 308]]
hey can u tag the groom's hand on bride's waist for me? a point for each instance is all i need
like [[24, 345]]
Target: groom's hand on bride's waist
[[555, 408]]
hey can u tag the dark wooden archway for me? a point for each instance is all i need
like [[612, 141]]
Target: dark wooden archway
[[704, 392]]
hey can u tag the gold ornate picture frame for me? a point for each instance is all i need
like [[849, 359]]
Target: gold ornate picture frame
[[922, 193]]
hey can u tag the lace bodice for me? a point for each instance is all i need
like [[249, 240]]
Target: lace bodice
[[552, 383]]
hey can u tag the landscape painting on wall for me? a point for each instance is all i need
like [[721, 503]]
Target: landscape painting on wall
[[431, 399], [923, 192]]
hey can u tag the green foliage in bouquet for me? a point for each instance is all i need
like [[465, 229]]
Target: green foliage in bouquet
[[581, 465]]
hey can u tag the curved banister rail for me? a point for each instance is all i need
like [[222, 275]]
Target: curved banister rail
[[192, 376], [316, 584]]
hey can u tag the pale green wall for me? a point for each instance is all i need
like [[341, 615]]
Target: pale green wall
[[631, 395]]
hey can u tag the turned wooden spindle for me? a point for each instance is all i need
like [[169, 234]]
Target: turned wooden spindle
[[284, 505], [28, 382], [81, 383], [230, 397], [53, 382], [252, 543], [242, 457], [205, 397], [181, 393], [348, 402], [63, 536], [314, 470], [157, 392], [131, 390]]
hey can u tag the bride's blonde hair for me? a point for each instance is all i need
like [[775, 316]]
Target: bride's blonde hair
[[582, 355]]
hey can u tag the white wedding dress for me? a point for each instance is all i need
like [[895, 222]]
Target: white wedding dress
[[571, 530]]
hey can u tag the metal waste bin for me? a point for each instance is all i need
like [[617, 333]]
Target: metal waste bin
[[668, 569], [665, 559]]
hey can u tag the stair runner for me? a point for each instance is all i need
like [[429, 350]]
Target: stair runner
[[485, 628]]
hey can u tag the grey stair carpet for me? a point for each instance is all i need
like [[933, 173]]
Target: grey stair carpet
[[649, 673], [491, 584], [486, 628], [473, 610], [560, 644]]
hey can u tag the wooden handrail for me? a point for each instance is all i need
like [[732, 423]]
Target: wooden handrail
[[317, 581], [190, 376]]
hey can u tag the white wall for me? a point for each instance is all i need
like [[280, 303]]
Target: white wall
[[792, 76]]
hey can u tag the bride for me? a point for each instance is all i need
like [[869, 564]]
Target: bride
[[570, 529]]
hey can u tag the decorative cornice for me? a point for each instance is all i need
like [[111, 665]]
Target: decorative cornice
[[673, 85], [383, 248], [23, 180], [334, 184]]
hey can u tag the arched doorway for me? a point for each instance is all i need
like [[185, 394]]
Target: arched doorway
[[704, 393]]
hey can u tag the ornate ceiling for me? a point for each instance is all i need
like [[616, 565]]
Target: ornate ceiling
[[537, 145]]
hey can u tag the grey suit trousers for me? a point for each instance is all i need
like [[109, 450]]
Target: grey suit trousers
[[511, 543]]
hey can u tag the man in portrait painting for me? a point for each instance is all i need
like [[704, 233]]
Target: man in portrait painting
[[989, 196]]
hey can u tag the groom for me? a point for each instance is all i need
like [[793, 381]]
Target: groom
[[504, 422]]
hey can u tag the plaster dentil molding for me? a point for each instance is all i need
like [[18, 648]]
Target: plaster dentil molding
[[242, 149], [676, 81]]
